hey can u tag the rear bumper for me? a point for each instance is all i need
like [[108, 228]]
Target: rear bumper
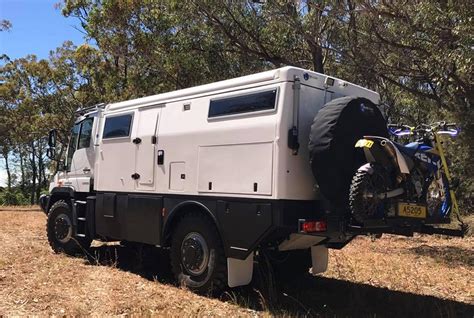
[[43, 202]]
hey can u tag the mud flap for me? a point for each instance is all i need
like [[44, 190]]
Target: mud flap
[[239, 272], [319, 256]]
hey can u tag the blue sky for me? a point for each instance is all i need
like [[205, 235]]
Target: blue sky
[[38, 27]]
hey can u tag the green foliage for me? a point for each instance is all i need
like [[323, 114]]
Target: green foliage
[[13, 198]]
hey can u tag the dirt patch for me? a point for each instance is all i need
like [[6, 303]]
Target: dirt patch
[[24, 208], [393, 276]]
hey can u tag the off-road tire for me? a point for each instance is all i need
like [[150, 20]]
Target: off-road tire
[[359, 208], [214, 278], [73, 245]]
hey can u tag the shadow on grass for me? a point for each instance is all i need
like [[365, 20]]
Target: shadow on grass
[[452, 255], [306, 296]]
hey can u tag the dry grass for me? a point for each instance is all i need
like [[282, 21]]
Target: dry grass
[[393, 276]]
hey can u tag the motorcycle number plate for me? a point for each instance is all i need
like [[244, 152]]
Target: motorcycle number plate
[[411, 210], [361, 143]]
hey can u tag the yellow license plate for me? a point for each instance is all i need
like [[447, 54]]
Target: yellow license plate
[[361, 143], [411, 210]]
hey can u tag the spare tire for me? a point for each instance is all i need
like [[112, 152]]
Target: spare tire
[[334, 132]]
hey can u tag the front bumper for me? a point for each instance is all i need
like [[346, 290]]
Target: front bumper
[[43, 202]]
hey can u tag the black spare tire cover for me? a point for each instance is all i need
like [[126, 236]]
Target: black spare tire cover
[[334, 132]]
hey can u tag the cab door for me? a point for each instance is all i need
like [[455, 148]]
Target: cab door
[[80, 159], [146, 138]]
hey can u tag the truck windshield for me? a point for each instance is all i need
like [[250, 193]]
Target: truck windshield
[[72, 145]]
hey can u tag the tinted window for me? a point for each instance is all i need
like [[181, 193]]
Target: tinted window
[[117, 126], [243, 104], [86, 133]]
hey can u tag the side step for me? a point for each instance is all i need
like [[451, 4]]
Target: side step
[[81, 224]]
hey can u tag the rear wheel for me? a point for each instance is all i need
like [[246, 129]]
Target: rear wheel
[[60, 230], [436, 196], [197, 255], [363, 198]]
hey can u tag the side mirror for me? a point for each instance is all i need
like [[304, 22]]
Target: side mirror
[[52, 138], [51, 153], [61, 166]]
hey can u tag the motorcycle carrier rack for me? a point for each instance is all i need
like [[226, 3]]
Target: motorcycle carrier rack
[[406, 231]]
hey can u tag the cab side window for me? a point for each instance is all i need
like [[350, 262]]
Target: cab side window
[[72, 145], [86, 133]]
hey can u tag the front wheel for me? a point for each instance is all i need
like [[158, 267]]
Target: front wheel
[[60, 230], [364, 199], [197, 255]]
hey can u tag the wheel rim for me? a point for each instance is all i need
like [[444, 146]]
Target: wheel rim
[[62, 228], [435, 196], [371, 201], [194, 253]]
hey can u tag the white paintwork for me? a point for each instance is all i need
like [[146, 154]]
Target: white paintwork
[[239, 272], [232, 152], [299, 241], [319, 256], [233, 169], [79, 178], [116, 160], [177, 169], [145, 152]]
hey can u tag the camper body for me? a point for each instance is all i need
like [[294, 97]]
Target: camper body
[[227, 152]]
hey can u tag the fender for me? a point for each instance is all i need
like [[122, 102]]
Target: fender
[[182, 206], [239, 272], [57, 193], [382, 150]]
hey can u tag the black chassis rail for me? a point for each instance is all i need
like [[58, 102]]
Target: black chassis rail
[[244, 224]]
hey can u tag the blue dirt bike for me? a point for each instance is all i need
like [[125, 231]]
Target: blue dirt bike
[[406, 187]]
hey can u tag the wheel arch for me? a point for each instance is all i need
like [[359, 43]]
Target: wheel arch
[[60, 193], [180, 211]]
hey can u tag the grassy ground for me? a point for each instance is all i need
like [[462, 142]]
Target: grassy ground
[[392, 276]]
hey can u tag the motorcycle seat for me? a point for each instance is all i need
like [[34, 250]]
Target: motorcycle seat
[[408, 149]]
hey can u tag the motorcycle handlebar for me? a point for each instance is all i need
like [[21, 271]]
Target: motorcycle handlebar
[[443, 128]]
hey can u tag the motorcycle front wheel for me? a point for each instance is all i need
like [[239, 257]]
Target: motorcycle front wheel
[[364, 200]]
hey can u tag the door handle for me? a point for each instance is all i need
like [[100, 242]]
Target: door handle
[[135, 176], [161, 157], [86, 170], [136, 141]]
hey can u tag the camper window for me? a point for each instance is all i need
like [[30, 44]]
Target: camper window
[[253, 102], [117, 126]]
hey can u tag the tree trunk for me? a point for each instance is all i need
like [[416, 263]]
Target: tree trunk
[[22, 170], [40, 170], [33, 170], [7, 167], [317, 55], [315, 42]]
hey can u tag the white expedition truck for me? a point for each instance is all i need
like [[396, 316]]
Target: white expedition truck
[[215, 173]]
